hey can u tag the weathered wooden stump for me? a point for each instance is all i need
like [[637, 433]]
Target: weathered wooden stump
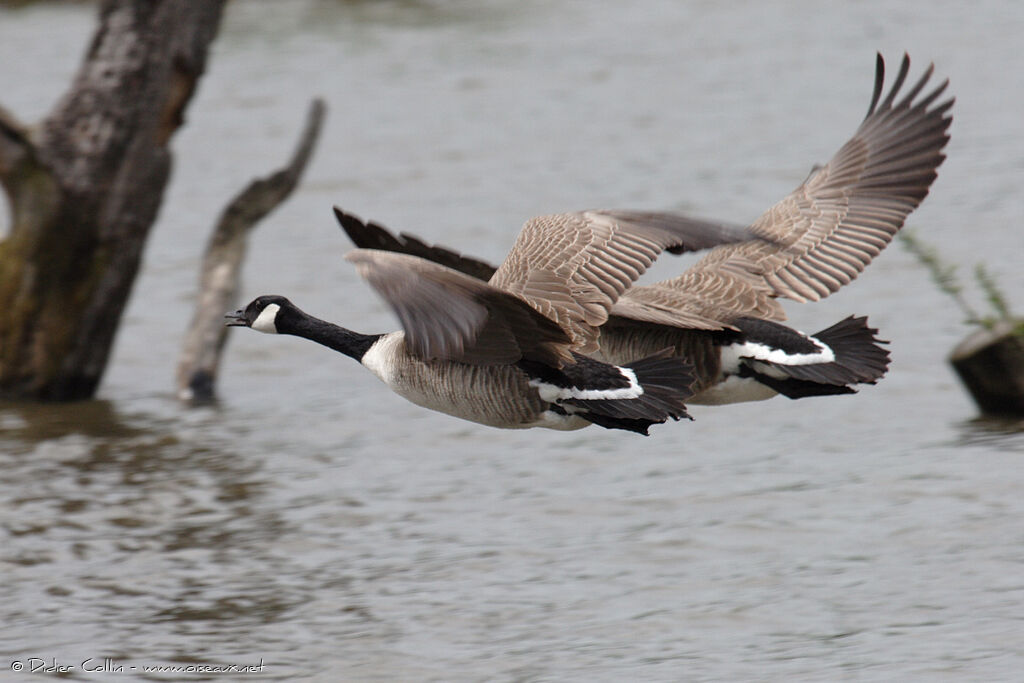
[[990, 363]]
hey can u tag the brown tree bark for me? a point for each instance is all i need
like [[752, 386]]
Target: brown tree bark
[[84, 187]]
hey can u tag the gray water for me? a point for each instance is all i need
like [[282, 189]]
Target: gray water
[[316, 523]]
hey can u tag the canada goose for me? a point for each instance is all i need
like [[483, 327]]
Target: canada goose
[[722, 314], [511, 352]]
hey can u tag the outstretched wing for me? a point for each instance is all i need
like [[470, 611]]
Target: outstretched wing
[[371, 235], [573, 267], [825, 232], [449, 315]]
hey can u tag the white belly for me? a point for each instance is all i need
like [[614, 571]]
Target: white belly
[[733, 389], [549, 419]]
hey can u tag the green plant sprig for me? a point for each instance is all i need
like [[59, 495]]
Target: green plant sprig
[[945, 277]]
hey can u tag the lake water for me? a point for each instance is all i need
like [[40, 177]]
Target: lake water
[[316, 523]]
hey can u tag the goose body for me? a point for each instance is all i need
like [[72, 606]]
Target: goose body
[[493, 395], [511, 352], [761, 359], [723, 315]]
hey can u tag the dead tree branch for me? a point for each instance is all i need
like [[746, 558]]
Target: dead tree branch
[[220, 274]]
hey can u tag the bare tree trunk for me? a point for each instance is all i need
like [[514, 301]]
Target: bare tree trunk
[[84, 188], [222, 264]]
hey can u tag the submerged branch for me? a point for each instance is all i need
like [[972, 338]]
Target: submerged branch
[[222, 263]]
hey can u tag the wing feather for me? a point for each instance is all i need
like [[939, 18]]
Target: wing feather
[[573, 267], [823, 234], [452, 316], [370, 235]]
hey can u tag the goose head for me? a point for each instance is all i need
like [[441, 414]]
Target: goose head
[[263, 314]]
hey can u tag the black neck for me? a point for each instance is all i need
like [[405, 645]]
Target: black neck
[[352, 344]]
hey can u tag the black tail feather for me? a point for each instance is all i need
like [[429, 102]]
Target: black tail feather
[[667, 382], [638, 426], [594, 390], [857, 348], [859, 359], [798, 388]]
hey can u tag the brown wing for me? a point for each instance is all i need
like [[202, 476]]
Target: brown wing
[[449, 315], [824, 233], [700, 305], [370, 235], [573, 267]]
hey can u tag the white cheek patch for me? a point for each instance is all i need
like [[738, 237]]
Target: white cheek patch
[[264, 322]]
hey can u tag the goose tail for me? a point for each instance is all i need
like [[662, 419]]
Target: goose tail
[[854, 356], [631, 397]]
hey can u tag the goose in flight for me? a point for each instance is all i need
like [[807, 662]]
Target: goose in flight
[[512, 352], [723, 315]]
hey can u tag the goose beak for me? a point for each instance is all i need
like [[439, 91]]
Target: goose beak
[[236, 319]]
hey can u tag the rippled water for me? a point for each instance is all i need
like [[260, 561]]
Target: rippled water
[[316, 523]]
